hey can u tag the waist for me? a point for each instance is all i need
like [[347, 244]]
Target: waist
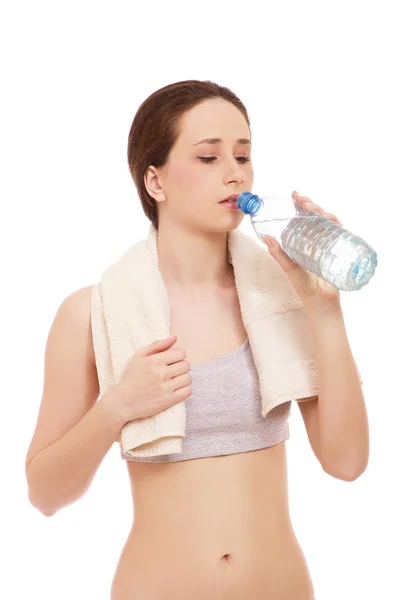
[[213, 528], [246, 485], [273, 570]]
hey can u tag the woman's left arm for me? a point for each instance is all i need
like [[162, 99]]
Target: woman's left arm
[[337, 421]]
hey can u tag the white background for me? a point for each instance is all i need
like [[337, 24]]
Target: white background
[[321, 84]]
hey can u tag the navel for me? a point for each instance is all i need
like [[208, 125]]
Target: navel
[[226, 557]]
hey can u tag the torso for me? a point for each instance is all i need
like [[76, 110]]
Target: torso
[[218, 527]]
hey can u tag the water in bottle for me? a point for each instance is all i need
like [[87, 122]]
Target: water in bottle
[[311, 240]]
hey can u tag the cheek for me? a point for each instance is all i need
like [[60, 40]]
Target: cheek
[[184, 176]]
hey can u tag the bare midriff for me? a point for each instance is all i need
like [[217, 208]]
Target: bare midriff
[[213, 528]]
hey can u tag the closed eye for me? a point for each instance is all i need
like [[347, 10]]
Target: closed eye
[[210, 159]]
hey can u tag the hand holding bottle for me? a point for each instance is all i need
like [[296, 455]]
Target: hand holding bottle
[[306, 284], [311, 245]]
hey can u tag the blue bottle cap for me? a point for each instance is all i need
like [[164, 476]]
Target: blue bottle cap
[[249, 203]]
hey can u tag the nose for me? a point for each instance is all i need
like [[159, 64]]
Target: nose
[[234, 173]]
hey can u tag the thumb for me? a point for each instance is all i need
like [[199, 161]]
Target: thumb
[[158, 346], [278, 254]]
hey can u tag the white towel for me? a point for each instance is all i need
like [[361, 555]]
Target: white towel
[[130, 310]]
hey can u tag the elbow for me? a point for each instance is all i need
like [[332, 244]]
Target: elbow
[[49, 502], [351, 475], [39, 505], [47, 513], [36, 494], [349, 472]]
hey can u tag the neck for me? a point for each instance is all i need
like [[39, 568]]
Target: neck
[[190, 258]]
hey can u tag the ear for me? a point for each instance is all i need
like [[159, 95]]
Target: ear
[[153, 183]]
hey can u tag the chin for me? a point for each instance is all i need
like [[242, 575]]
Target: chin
[[230, 224], [233, 220], [214, 223]]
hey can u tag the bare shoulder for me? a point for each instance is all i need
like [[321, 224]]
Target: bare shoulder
[[75, 311], [79, 298], [70, 386]]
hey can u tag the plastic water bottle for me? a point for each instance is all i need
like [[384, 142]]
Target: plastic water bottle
[[312, 241]]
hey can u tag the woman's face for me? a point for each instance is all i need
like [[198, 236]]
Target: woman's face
[[209, 161]]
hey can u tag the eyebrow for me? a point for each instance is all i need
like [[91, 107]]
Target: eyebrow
[[219, 141]]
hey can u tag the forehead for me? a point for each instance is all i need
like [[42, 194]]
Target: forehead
[[211, 119]]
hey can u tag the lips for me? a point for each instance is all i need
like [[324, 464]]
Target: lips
[[231, 198]]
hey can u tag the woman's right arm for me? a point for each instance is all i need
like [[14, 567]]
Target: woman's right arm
[[74, 430]]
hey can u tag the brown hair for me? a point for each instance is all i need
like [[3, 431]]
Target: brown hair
[[155, 129]]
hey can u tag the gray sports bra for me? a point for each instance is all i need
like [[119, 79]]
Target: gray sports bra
[[223, 414]]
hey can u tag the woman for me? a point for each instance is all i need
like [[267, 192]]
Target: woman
[[213, 522]]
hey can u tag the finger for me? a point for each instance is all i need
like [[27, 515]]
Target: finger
[[311, 206], [306, 202], [158, 346], [178, 368], [179, 382], [321, 211], [301, 199], [279, 255], [173, 355], [333, 218], [181, 394]]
